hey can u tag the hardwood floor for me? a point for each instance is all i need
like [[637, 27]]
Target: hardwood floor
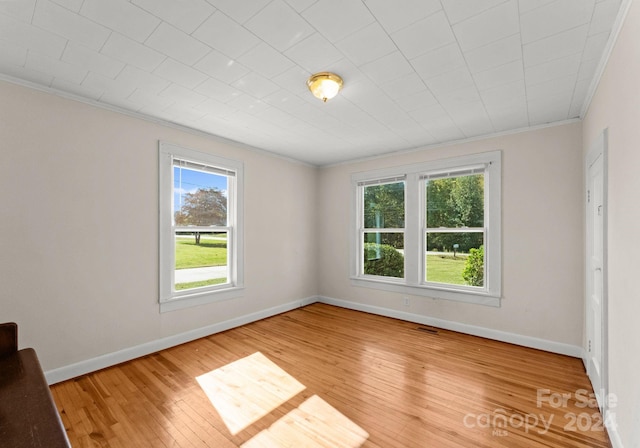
[[331, 377]]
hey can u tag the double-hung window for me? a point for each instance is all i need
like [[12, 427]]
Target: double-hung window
[[200, 227], [430, 229]]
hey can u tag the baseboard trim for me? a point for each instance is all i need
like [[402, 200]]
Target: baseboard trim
[[503, 336], [100, 362], [612, 430], [110, 359]]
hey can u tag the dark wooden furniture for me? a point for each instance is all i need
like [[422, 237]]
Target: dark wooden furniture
[[28, 416]]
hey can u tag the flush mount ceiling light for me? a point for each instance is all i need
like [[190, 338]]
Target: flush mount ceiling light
[[324, 85]]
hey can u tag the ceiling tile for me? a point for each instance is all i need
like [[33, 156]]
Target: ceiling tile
[[265, 60], [221, 67], [557, 68], [399, 14], [548, 111], [427, 34], [437, 62], [387, 68], [225, 35], [27, 74], [293, 80], [443, 129], [151, 103], [169, 40], [121, 16], [11, 54], [505, 96], [579, 94], [450, 81], [367, 44], [279, 25], [179, 73], [514, 117], [72, 5], [55, 67], [336, 19], [529, 5], [82, 56], [76, 89], [249, 104], [587, 69], [459, 10], [492, 25], [595, 45], [554, 88], [19, 9], [472, 120], [218, 90], [459, 98], [111, 87], [181, 95], [416, 101], [503, 74], [144, 80], [314, 54], [126, 50], [403, 86], [31, 37], [495, 54], [63, 22], [255, 85], [604, 15], [554, 47], [186, 15], [554, 18], [238, 11], [299, 5], [239, 69]]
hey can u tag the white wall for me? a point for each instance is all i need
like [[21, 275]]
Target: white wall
[[616, 105], [542, 237], [79, 220]]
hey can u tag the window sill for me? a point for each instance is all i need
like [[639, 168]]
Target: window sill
[[199, 298], [478, 298]]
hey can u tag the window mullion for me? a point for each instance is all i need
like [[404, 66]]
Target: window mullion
[[412, 244]]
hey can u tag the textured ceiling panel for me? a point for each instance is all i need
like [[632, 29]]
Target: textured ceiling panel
[[416, 72]]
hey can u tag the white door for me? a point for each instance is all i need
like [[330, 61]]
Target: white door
[[595, 271]]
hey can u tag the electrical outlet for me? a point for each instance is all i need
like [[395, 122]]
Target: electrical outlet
[[405, 302]]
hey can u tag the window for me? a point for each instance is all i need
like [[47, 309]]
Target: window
[[383, 230], [431, 229], [200, 227]]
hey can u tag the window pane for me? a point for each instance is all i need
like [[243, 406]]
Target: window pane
[[201, 259], [384, 254], [384, 206], [455, 202], [455, 258], [199, 198]]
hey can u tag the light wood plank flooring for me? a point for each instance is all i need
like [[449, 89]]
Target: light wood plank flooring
[[323, 376]]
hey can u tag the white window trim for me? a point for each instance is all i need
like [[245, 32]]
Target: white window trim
[[413, 283], [171, 300]]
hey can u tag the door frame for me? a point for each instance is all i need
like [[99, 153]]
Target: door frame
[[598, 148]]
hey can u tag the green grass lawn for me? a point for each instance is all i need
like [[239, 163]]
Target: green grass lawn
[[200, 284], [210, 252], [446, 268]]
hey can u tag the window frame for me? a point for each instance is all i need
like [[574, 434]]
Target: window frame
[[169, 298], [414, 282]]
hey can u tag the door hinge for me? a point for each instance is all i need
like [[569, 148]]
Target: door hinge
[[588, 195], [589, 345]]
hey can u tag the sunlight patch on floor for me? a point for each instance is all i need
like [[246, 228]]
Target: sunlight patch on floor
[[246, 390], [315, 423]]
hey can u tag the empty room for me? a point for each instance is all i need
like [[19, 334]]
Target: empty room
[[319, 223]]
